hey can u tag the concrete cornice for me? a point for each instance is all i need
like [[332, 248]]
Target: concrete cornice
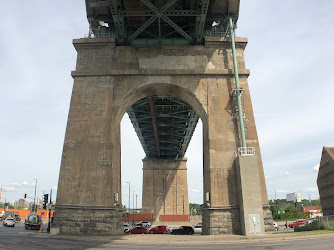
[[128, 72]]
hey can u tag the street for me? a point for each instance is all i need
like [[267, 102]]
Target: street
[[19, 238]]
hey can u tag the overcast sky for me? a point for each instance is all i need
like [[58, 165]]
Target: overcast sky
[[290, 55]]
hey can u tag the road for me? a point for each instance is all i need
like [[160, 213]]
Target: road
[[20, 238]]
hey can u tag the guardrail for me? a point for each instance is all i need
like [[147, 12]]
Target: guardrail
[[99, 35], [246, 151]]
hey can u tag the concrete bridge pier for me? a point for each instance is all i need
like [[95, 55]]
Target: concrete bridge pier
[[165, 189]]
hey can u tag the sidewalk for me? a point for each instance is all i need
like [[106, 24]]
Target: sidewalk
[[212, 239]]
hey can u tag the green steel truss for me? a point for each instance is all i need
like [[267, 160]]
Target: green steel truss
[[164, 125], [158, 22]]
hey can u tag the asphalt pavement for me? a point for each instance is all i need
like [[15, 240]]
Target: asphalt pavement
[[19, 238]]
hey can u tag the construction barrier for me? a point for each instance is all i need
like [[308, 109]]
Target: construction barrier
[[170, 218], [23, 213], [137, 217]]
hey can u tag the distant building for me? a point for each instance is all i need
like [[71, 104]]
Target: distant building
[[21, 203], [293, 197], [39, 201], [325, 181], [314, 211]]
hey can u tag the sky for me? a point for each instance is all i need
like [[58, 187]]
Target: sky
[[289, 53]]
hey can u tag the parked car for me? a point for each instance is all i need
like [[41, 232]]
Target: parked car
[[9, 222], [299, 222], [184, 230], [138, 230], [145, 224], [127, 227], [276, 226], [159, 230], [198, 229], [6, 214]]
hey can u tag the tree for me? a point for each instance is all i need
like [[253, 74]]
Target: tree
[[291, 213], [196, 208]]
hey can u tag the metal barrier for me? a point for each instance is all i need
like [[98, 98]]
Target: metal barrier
[[246, 151], [99, 35]]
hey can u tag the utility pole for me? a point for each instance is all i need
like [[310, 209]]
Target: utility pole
[[34, 209]]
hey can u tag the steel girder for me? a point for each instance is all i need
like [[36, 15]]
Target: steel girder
[[163, 22], [164, 125]]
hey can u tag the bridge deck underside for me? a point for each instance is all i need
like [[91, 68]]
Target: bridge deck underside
[[164, 125], [161, 22]]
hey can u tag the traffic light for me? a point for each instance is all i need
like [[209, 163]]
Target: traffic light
[[25, 195], [46, 197]]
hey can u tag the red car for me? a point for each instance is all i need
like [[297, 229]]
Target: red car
[[297, 223], [159, 230], [138, 230]]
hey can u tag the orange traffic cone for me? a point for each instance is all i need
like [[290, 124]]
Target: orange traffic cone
[[41, 229]]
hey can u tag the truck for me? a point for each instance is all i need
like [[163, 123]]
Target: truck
[[6, 214], [33, 221]]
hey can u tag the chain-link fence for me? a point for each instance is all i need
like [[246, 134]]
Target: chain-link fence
[[319, 223], [327, 222]]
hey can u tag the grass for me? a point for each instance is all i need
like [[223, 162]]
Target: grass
[[315, 232]]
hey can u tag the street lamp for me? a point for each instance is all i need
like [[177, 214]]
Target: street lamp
[[35, 196], [133, 208], [129, 203]]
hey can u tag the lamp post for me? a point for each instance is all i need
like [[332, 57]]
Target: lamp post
[[129, 203], [133, 208], [276, 204], [35, 196]]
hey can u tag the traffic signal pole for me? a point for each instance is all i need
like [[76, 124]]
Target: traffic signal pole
[[49, 210]]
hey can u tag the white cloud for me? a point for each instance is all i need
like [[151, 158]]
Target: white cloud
[[283, 173], [8, 189], [311, 189], [316, 168], [283, 191]]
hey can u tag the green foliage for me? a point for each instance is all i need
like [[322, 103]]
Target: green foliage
[[195, 209], [291, 213]]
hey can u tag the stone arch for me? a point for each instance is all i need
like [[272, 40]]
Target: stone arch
[[145, 90], [150, 89]]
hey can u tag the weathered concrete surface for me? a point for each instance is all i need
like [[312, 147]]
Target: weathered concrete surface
[[165, 188], [325, 181], [87, 221], [250, 200], [109, 79]]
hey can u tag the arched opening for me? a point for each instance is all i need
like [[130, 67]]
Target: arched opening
[[132, 181]]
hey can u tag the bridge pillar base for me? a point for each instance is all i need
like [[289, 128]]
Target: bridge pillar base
[[88, 221], [165, 188], [249, 192], [221, 220]]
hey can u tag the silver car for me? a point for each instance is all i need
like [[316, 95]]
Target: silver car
[[127, 227], [9, 222], [144, 224]]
